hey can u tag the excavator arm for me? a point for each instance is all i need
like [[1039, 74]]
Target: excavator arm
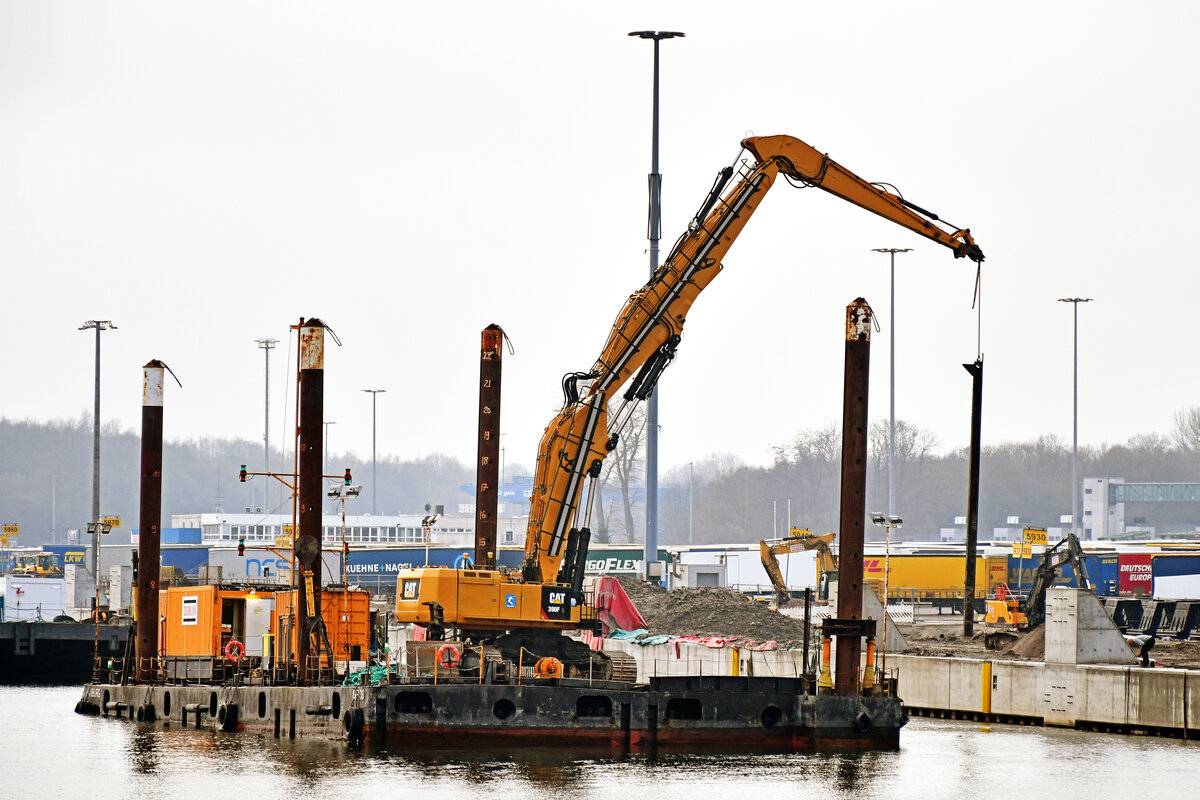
[[801, 539], [1067, 551], [648, 330]]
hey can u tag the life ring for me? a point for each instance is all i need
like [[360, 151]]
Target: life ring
[[448, 656], [235, 650]]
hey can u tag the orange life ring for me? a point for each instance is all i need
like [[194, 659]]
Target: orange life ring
[[548, 667], [235, 650], [448, 656]]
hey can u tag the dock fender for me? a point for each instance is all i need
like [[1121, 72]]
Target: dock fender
[[862, 722], [353, 721], [227, 716]]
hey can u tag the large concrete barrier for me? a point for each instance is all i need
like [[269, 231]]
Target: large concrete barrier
[[1120, 698]]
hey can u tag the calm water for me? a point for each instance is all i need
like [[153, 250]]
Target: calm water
[[49, 751]]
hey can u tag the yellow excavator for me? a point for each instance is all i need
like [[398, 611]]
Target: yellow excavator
[[800, 540], [545, 593]]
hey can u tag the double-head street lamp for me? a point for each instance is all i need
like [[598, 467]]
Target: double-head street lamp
[[1075, 301], [93, 526], [341, 491], [887, 522]]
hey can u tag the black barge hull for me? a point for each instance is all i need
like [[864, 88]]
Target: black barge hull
[[710, 714], [57, 653]]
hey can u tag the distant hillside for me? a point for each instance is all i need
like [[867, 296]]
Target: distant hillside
[[46, 472]]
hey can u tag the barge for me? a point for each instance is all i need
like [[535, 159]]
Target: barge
[[670, 714], [495, 663]]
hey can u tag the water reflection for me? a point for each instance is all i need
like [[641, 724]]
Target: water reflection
[[74, 756]]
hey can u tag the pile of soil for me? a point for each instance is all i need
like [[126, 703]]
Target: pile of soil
[[1031, 646], [947, 641], [711, 611]]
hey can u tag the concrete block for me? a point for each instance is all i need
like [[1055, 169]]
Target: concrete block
[[1156, 697], [1104, 694], [1079, 630], [1016, 688], [1061, 627], [965, 684], [923, 682], [1192, 708], [1059, 690]]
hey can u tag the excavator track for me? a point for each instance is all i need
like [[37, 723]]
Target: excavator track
[[624, 666]]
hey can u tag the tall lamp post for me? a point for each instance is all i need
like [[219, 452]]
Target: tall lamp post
[[887, 523], [691, 500], [892, 380], [1075, 301], [95, 525], [339, 492], [655, 218], [325, 450], [374, 481], [266, 345]]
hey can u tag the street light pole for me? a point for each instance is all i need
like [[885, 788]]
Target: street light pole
[[887, 523], [892, 381], [655, 218], [691, 499], [266, 345], [374, 480], [325, 450], [1075, 301], [97, 325]]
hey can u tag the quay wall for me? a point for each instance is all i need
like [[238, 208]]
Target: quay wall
[[1054, 694]]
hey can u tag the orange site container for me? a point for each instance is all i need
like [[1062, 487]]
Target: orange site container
[[199, 621], [347, 616]]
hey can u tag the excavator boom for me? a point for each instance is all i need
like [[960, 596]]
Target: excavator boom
[[648, 330], [641, 344]]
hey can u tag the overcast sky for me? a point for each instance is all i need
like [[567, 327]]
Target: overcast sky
[[205, 174]]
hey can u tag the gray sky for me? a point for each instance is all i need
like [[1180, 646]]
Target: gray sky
[[204, 174]]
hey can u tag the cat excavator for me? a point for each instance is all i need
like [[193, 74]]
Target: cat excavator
[[545, 593]]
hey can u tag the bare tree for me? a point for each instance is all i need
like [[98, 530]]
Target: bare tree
[[622, 470], [813, 463], [1186, 433]]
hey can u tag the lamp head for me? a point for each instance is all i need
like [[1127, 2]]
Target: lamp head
[[657, 35]]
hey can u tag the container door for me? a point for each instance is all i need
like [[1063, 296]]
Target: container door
[[258, 623]]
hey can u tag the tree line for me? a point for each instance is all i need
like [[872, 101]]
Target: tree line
[[47, 476]]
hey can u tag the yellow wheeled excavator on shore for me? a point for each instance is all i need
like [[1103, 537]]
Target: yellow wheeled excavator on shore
[[545, 594]]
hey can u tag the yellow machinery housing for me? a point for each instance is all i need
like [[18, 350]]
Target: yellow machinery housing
[[483, 600]]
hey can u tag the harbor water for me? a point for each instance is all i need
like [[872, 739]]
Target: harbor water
[[51, 752]]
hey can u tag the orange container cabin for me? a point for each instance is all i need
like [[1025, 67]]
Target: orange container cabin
[[347, 615], [199, 621]]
